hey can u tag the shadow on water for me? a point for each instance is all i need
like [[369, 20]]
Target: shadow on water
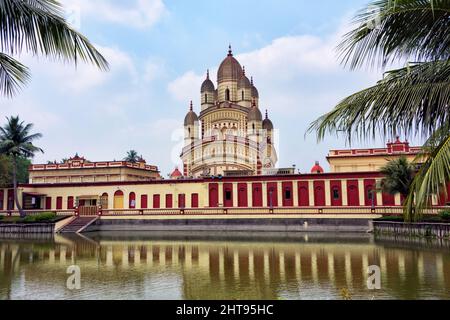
[[224, 265]]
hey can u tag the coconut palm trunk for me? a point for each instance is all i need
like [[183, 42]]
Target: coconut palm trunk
[[16, 191]]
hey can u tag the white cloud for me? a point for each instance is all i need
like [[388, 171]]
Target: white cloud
[[186, 87], [140, 14]]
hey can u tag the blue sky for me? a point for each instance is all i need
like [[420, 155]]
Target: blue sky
[[159, 51]]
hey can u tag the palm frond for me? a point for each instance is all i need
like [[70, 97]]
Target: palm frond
[[13, 75], [388, 30], [432, 178], [38, 27], [411, 100]]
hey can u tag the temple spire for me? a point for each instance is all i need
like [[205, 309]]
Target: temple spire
[[191, 108], [207, 74], [230, 52], [267, 114]]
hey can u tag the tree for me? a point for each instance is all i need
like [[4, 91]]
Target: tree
[[16, 142], [132, 156], [413, 100], [38, 27], [398, 176]]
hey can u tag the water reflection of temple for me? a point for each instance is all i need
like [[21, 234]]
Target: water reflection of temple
[[231, 270]]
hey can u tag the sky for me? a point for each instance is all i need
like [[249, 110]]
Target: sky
[[159, 51]]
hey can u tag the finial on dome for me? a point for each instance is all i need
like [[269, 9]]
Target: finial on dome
[[207, 74], [267, 114], [251, 80], [243, 70], [253, 102], [230, 52], [191, 108]]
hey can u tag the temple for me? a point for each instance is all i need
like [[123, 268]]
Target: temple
[[230, 134], [229, 166]]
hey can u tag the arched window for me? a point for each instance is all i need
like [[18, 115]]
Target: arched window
[[118, 199], [132, 200], [227, 95], [253, 126], [242, 94], [206, 98]]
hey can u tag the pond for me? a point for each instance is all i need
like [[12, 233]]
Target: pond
[[222, 266]]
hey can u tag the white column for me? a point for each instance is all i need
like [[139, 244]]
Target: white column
[[235, 194], [249, 195], [280, 194], [295, 193], [344, 193], [327, 193], [264, 194], [311, 192], [220, 190], [362, 198]]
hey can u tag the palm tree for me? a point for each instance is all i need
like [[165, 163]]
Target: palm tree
[[398, 176], [16, 141], [413, 100], [132, 156], [38, 27]]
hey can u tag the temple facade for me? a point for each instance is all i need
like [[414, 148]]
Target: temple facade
[[230, 133]]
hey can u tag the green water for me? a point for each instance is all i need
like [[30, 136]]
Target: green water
[[223, 266]]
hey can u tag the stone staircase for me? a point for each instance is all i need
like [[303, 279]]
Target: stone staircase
[[77, 224]]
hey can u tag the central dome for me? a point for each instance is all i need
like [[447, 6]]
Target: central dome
[[230, 69]]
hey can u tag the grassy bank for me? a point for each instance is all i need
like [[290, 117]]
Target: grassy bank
[[45, 217]]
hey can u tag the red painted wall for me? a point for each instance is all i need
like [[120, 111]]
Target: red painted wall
[[169, 201], [336, 185], [388, 199], [213, 195], [194, 200], [242, 195], [70, 202], [352, 193], [156, 201], [303, 193], [257, 198], [228, 187], [287, 189], [369, 184], [144, 201], [182, 200], [48, 203], [319, 193], [59, 203], [272, 189]]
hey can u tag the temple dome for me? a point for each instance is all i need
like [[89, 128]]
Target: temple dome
[[191, 117], [255, 93], [267, 124], [317, 168], [254, 114], [207, 85], [244, 82], [176, 174], [230, 69]]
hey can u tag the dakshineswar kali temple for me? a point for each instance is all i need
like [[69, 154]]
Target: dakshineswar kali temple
[[229, 162]]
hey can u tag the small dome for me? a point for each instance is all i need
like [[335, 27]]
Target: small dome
[[191, 117], [317, 168], [267, 124], [244, 82], [230, 69], [254, 114], [207, 85], [176, 174], [255, 93]]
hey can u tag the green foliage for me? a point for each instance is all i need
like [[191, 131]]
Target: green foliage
[[1, 217], [132, 156], [412, 100], [38, 27], [41, 217], [398, 176], [6, 170], [445, 214]]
